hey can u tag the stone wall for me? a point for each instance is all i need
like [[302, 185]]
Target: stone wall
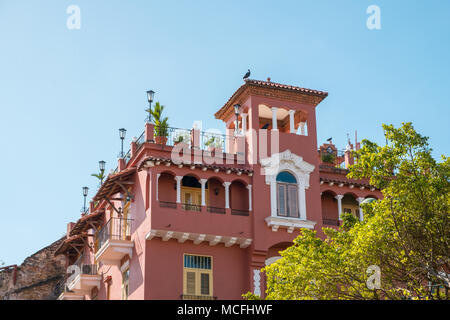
[[39, 277]]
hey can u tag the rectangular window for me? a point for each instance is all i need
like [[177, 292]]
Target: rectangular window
[[293, 205], [197, 276], [287, 196], [282, 210]]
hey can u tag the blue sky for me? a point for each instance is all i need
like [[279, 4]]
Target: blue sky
[[65, 93]]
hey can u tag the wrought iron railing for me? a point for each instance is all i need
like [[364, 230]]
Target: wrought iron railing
[[330, 222], [168, 204], [239, 212], [140, 141], [60, 288], [85, 268], [171, 136], [194, 297], [194, 139], [216, 210], [114, 229], [191, 207], [335, 159]]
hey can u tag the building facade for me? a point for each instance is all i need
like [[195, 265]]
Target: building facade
[[196, 215]]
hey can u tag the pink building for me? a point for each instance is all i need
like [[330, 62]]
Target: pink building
[[196, 215]]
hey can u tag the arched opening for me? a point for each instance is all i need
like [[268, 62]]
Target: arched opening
[[350, 205], [287, 195], [191, 193], [167, 194], [239, 198], [330, 210], [216, 199]]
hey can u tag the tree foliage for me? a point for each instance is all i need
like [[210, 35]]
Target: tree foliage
[[405, 234]]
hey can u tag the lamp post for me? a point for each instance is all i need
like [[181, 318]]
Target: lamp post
[[85, 193], [236, 112], [101, 165], [150, 96], [122, 134]]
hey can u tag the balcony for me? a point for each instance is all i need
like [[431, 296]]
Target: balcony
[[113, 241], [331, 222], [191, 207], [193, 297], [216, 210], [86, 277], [63, 293], [238, 212]]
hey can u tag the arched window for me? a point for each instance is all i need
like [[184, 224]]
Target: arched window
[[287, 195]]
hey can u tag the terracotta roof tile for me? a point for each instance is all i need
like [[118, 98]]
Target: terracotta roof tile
[[269, 84]]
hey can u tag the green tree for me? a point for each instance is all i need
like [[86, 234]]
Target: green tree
[[405, 234]]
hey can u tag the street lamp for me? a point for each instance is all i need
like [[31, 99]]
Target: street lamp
[[122, 134], [150, 96], [236, 112], [101, 165], [85, 193]]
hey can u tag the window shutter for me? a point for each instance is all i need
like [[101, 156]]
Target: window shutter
[[293, 201], [205, 283], [282, 200], [190, 283]]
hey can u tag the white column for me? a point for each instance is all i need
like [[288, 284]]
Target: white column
[[249, 187], [291, 121], [339, 199], [361, 213], [273, 196], [302, 128], [302, 199], [178, 178], [274, 118], [227, 194], [157, 179], [244, 123], [203, 183]]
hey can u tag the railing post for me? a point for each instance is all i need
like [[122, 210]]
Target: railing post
[[133, 147], [149, 132], [121, 164]]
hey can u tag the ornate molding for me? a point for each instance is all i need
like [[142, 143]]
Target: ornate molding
[[289, 161], [289, 223]]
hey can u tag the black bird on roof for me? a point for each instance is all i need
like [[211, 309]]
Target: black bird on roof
[[247, 75], [329, 140]]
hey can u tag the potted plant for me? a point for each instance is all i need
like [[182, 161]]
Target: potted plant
[[180, 137], [161, 124], [328, 157], [214, 142]]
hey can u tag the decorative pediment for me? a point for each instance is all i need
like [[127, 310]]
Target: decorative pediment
[[288, 161]]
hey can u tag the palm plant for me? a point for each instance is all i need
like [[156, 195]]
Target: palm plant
[[100, 176], [161, 123]]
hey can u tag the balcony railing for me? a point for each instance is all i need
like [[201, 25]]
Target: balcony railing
[[216, 210], [330, 222], [114, 229], [198, 139], [172, 136], [334, 159], [191, 207], [168, 204], [193, 297], [85, 268], [238, 212]]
